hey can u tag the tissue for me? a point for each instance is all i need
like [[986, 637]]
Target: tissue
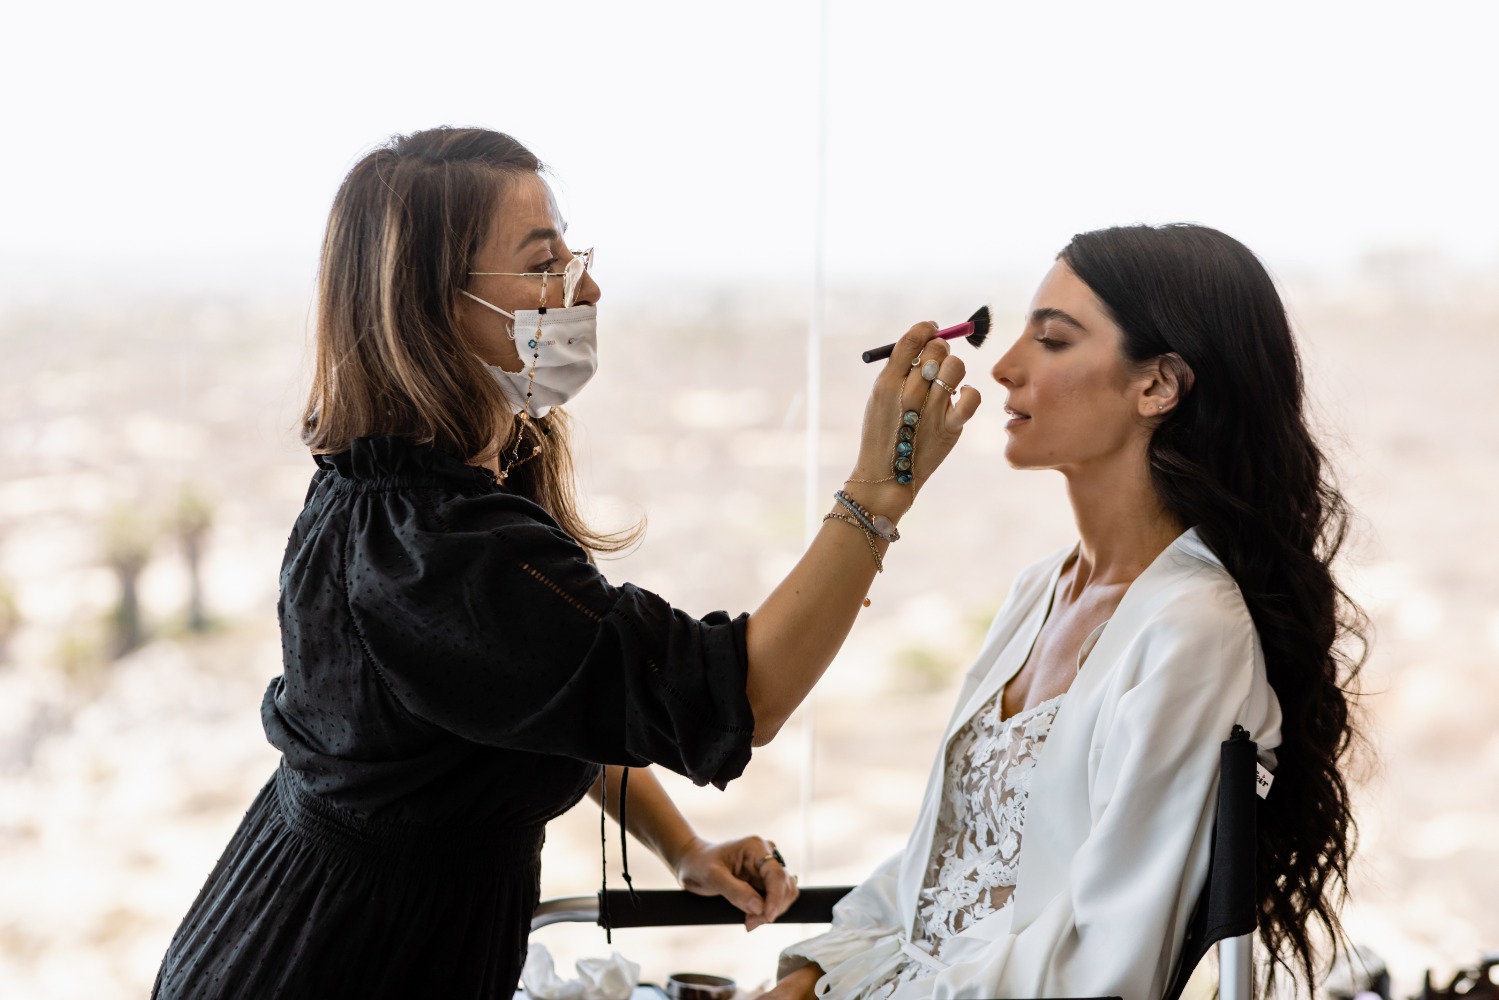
[[611, 978]]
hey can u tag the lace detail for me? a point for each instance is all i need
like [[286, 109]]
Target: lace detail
[[976, 845]]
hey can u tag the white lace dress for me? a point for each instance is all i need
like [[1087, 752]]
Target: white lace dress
[[976, 845]]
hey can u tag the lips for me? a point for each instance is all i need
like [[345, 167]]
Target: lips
[[1016, 414]]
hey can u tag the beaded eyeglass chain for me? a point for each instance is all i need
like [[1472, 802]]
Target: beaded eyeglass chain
[[525, 416]]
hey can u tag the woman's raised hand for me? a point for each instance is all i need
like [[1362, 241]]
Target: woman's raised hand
[[747, 872], [912, 420], [921, 378]]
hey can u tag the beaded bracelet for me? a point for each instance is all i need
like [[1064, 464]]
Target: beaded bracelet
[[902, 468], [879, 524], [879, 564]]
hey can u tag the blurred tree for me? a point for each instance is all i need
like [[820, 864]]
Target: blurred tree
[[10, 619], [80, 657], [194, 518], [127, 549]]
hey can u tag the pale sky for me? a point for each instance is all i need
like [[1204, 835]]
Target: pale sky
[[162, 145]]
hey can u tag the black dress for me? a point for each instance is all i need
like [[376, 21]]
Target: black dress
[[455, 673]]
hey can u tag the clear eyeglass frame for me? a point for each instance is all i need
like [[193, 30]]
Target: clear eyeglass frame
[[571, 275]]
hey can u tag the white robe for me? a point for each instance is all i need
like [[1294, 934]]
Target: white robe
[[1118, 826]]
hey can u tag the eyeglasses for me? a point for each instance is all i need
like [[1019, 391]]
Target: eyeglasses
[[571, 275]]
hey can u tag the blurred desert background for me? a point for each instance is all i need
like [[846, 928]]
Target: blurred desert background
[[751, 177], [152, 441]]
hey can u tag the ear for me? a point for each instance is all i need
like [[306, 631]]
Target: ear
[[1164, 383]]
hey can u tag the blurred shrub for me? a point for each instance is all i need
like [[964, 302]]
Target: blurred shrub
[[80, 657], [924, 669], [10, 619], [936, 666]]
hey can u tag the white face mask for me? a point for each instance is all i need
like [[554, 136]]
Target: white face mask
[[559, 349]]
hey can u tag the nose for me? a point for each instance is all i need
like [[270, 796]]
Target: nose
[[1007, 370], [588, 292]]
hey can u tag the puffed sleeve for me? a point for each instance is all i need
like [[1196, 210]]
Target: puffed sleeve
[[1131, 885], [861, 918], [481, 616]]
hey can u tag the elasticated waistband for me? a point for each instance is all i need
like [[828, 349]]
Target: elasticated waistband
[[491, 846]]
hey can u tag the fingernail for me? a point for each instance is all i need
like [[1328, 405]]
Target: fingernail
[[755, 909]]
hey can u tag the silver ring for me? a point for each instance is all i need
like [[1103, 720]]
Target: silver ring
[[950, 390], [774, 855]]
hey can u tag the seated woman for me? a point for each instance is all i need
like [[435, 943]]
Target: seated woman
[[1065, 833]]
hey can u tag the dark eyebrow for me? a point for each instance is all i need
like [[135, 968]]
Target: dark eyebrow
[[1048, 312], [541, 234]]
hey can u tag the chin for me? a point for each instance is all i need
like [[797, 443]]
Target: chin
[[1016, 460], [1019, 460]]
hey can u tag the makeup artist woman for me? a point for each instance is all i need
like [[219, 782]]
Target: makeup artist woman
[[456, 670]]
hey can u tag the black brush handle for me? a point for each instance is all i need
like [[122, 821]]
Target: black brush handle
[[963, 329]]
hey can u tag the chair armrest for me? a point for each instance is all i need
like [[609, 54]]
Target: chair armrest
[[677, 907]]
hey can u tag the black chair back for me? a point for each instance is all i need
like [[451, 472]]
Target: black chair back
[[1226, 908]]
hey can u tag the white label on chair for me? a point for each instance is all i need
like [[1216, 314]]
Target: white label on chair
[[1263, 779]]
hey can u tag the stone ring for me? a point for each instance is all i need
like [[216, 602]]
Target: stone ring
[[929, 370], [950, 390]]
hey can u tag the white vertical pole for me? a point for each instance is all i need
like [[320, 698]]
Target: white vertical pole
[[813, 454], [1236, 968]]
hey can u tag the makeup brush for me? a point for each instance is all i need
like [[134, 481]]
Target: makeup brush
[[974, 331]]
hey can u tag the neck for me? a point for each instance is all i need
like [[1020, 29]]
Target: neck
[[1121, 522]]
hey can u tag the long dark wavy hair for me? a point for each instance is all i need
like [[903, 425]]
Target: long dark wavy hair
[[1237, 460], [391, 355]]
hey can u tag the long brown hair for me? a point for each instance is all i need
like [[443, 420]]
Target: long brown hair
[[1237, 459], [391, 357]]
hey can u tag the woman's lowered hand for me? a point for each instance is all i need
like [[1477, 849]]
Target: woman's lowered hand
[[746, 872]]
